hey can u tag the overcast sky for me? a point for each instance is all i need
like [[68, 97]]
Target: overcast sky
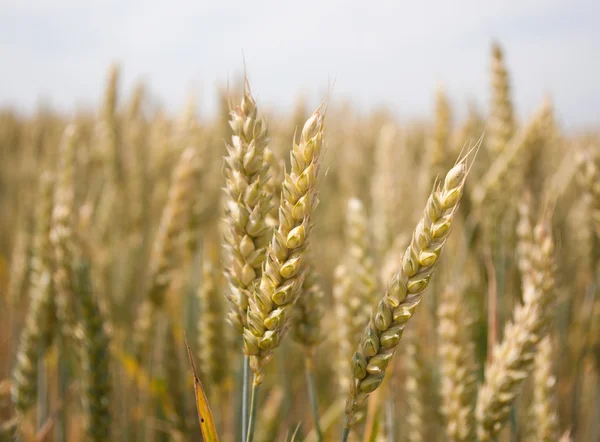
[[379, 52]]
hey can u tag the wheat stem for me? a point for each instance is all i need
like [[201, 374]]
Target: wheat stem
[[252, 414], [245, 396], [312, 395]]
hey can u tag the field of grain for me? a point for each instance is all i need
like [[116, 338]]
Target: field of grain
[[337, 276]]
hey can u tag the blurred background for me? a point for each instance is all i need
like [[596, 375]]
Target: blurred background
[[122, 227]]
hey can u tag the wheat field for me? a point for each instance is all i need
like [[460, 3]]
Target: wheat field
[[326, 275]]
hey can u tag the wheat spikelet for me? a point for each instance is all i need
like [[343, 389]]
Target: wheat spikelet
[[458, 371], [354, 289], [284, 269], [61, 233], [95, 358], [544, 394], [246, 233], [276, 176], [39, 322], [502, 124], [513, 357], [384, 331]]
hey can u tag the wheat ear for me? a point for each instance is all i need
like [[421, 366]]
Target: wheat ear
[[439, 146], [39, 322], [284, 269], [458, 373], [502, 124], [248, 202], [415, 390], [545, 405], [354, 289], [513, 358], [62, 233], [384, 331], [20, 266], [95, 358]]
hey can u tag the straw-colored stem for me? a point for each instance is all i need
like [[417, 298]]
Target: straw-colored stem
[[245, 396], [252, 414], [312, 395]]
